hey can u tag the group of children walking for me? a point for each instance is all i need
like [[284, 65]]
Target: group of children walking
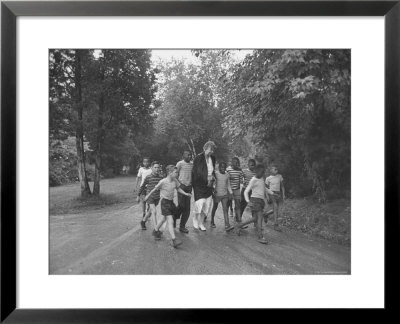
[[232, 187]]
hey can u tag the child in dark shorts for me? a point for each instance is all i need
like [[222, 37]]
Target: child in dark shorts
[[275, 183], [256, 202], [236, 178], [222, 191], [167, 186]]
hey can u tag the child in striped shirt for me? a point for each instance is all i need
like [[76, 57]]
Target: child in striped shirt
[[222, 190], [236, 178], [256, 201], [148, 184]]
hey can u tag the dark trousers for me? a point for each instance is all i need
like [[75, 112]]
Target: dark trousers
[[183, 209], [243, 202]]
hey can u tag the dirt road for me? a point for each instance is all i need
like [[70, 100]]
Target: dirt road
[[110, 241]]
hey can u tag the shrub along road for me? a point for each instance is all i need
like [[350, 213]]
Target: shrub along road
[[107, 239]]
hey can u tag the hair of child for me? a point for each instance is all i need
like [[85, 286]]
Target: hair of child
[[170, 168], [222, 163], [259, 167]]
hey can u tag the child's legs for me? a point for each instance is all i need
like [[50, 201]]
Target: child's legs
[[170, 224], [153, 213], [251, 220], [229, 205], [214, 209], [181, 206], [276, 207], [185, 211], [148, 213], [224, 203], [143, 205], [237, 209], [243, 202], [259, 216], [160, 223]]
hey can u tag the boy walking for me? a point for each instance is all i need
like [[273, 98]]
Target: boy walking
[[247, 175], [143, 172], [256, 202], [222, 190], [148, 185], [167, 186], [235, 178], [184, 169], [275, 183]]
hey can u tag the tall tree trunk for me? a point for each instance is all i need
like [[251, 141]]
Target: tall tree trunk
[[193, 148], [99, 144], [80, 149]]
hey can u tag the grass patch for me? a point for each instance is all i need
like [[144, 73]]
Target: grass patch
[[331, 221], [79, 204]]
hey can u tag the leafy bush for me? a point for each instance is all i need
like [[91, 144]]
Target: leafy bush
[[63, 163], [296, 104], [331, 221]]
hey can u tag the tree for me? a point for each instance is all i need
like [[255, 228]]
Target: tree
[[296, 103], [119, 100], [104, 98], [65, 103], [188, 115]]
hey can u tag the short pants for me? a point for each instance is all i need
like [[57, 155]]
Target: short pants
[[168, 208], [153, 200], [218, 199], [203, 205], [276, 197], [236, 194], [187, 189], [258, 204]]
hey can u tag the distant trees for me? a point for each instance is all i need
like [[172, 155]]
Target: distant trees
[[66, 105], [296, 104], [188, 113], [286, 107], [105, 98]]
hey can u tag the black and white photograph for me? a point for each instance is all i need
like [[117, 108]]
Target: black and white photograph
[[199, 161]]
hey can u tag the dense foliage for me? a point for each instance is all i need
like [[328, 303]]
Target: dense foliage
[[290, 108], [296, 104], [187, 116], [116, 92]]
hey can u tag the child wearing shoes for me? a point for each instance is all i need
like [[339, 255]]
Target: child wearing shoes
[[167, 186], [275, 183], [256, 202], [222, 191]]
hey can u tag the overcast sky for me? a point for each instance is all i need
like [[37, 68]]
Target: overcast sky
[[168, 55]]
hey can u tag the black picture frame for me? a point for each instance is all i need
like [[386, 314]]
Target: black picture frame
[[9, 13]]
